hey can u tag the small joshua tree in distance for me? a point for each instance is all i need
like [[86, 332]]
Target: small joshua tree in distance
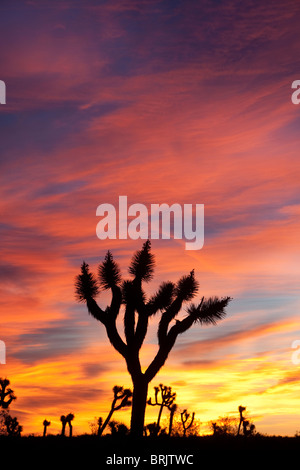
[[99, 423], [45, 424], [173, 409], [12, 426], [121, 395], [6, 394], [63, 422], [241, 410], [184, 420], [69, 419], [248, 428], [167, 399]]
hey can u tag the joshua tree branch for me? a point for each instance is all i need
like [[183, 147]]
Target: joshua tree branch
[[108, 318], [185, 290], [208, 311], [167, 316], [116, 301], [161, 356], [96, 311], [115, 338], [162, 299]]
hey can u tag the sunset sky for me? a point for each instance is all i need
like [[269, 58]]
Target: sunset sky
[[166, 102]]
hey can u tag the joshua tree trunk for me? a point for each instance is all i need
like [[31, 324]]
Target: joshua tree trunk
[[139, 401], [46, 424], [100, 432], [172, 412]]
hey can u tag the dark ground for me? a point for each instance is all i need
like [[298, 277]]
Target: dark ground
[[208, 452]]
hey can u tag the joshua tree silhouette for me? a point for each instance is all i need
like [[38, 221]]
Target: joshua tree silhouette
[[173, 409], [12, 426], [248, 428], [184, 419], [224, 426], [241, 410], [167, 399], [122, 395], [69, 419], [99, 422], [118, 429], [216, 429], [169, 300], [6, 394], [63, 422], [45, 424]]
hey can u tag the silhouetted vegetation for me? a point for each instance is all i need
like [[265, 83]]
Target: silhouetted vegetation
[[99, 423], [63, 422], [224, 426], [69, 419], [121, 395], [118, 429], [45, 424], [173, 409], [152, 430], [95, 425], [8, 425], [168, 300], [6, 394], [224, 442], [187, 420], [248, 427], [166, 400], [13, 428], [241, 410]]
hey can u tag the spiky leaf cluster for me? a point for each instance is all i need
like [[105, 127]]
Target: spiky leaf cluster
[[109, 272], [142, 263], [86, 285], [163, 297], [187, 287]]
